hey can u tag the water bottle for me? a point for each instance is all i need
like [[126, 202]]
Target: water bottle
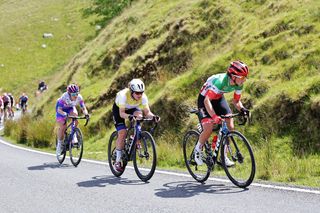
[[199, 127], [214, 142]]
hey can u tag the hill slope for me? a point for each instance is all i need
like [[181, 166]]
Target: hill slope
[[23, 59]]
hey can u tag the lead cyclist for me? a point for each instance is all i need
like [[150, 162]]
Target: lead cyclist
[[212, 103]]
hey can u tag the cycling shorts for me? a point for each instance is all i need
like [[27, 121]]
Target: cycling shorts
[[119, 122], [220, 107]]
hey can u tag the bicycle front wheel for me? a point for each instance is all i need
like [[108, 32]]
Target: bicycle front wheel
[[76, 147], [237, 148], [112, 155], [199, 172], [145, 156]]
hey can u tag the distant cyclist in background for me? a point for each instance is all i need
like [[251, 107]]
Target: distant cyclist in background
[[212, 103], [131, 103], [66, 105], [6, 105], [42, 86], [1, 108], [12, 102], [23, 102]]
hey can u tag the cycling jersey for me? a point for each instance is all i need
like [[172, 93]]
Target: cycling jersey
[[217, 85], [68, 106], [125, 100], [5, 98], [23, 98], [65, 101]]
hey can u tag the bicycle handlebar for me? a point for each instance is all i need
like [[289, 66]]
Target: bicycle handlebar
[[245, 117], [145, 119], [78, 117]]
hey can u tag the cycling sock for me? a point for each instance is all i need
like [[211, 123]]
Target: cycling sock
[[119, 153], [199, 147]]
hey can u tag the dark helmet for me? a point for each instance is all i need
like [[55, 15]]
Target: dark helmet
[[73, 88], [238, 68]]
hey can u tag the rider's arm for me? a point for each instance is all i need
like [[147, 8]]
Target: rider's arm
[[236, 100], [147, 112], [84, 110], [208, 105], [123, 114], [60, 111]]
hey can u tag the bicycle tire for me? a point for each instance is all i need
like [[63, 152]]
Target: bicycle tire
[[189, 141], [62, 156], [145, 173], [76, 147], [112, 155], [242, 155]]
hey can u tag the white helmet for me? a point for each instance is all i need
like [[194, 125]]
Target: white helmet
[[136, 85]]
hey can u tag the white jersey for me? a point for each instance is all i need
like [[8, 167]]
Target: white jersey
[[124, 100], [65, 101]]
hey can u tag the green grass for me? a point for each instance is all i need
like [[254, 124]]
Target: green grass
[[22, 26]]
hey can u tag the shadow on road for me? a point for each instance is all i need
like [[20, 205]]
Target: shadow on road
[[103, 181], [53, 165], [189, 189]]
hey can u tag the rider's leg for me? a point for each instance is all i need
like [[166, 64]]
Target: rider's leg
[[120, 143], [138, 114]]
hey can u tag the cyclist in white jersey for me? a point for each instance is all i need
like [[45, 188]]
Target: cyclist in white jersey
[[131, 103], [66, 105], [211, 102]]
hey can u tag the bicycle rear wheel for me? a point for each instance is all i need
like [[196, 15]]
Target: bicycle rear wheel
[[62, 156], [145, 156], [112, 155], [237, 148], [76, 148], [199, 173]]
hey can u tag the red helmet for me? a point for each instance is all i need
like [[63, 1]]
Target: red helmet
[[73, 88], [238, 68]]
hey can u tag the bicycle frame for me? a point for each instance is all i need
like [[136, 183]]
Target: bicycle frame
[[137, 136], [72, 124], [223, 131]]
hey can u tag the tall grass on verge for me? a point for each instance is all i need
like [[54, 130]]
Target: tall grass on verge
[[32, 132]]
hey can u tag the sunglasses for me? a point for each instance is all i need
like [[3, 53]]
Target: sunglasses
[[138, 93], [240, 77], [74, 94]]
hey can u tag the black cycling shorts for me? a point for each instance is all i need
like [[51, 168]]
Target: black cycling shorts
[[119, 122], [220, 106]]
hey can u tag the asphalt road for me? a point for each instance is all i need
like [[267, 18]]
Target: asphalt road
[[35, 182]]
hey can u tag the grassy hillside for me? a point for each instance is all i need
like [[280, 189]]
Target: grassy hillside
[[23, 60], [174, 46]]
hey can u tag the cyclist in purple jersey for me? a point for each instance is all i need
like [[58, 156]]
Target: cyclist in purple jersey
[[66, 105], [211, 102]]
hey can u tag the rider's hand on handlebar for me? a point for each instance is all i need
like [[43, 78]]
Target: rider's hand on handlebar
[[216, 119], [87, 116], [156, 118], [131, 118], [245, 111]]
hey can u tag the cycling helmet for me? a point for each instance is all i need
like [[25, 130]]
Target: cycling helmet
[[136, 85], [238, 68], [73, 88]]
